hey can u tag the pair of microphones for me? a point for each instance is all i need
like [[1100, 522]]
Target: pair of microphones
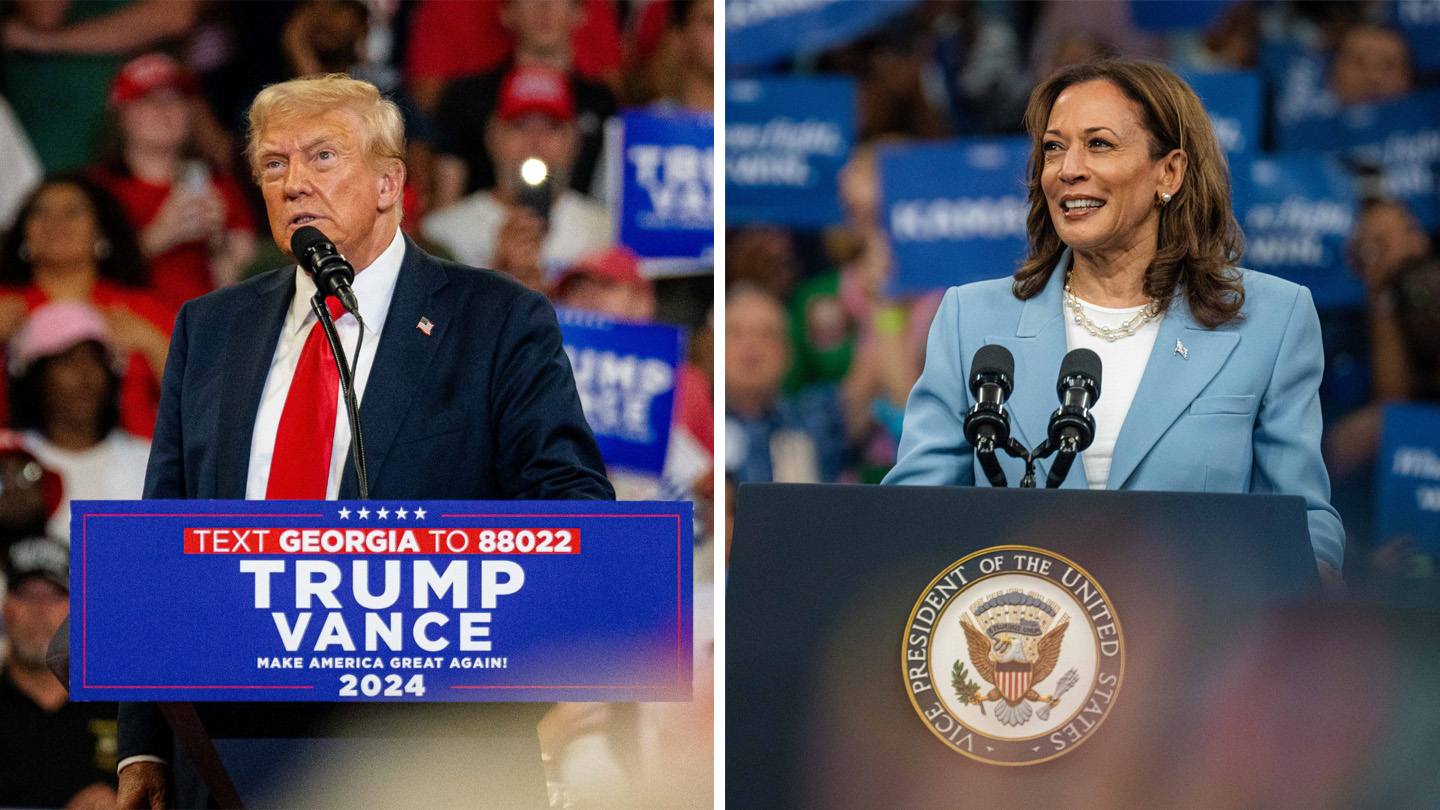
[[1072, 427]]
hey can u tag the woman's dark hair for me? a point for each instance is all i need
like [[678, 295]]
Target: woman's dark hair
[[27, 394], [124, 264], [1199, 239]]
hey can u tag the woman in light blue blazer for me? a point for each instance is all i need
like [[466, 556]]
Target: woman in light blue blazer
[[1211, 372]]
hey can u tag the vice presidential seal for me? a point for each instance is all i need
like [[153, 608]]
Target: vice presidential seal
[[1013, 655]]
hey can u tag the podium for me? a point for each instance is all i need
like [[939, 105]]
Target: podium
[[910, 646]]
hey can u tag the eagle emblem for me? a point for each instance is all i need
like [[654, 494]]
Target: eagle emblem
[[1014, 648]]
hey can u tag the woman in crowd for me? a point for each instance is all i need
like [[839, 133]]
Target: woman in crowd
[[1211, 372], [65, 394], [195, 229], [72, 242]]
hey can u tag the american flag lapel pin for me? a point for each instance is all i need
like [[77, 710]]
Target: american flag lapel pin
[[1179, 348], [425, 326]]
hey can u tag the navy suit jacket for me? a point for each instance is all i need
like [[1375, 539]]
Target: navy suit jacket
[[483, 407]]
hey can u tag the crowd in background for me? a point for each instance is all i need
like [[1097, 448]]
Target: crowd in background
[[820, 357], [125, 194]]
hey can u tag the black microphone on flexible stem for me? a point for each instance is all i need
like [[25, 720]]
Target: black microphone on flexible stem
[[987, 425], [319, 258], [1072, 427]]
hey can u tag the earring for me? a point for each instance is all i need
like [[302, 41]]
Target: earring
[[1165, 198], [102, 249], [24, 253]]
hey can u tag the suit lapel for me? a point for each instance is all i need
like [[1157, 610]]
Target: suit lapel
[[401, 359], [1168, 386], [1039, 347], [249, 348]]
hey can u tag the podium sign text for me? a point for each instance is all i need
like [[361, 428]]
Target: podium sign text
[[441, 601]]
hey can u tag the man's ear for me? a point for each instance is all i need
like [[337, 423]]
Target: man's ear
[[391, 185]]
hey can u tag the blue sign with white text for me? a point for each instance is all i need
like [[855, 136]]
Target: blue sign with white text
[[626, 375], [667, 194], [1408, 489], [368, 601], [786, 139], [1193, 15], [1419, 21], [1235, 103], [762, 32], [955, 211], [1296, 212]]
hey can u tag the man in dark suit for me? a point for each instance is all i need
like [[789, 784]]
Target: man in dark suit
[[464, 390]]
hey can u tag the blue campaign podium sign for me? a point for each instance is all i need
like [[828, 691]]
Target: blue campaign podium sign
[[1296, 212], [365, 601], [667, 188], [955, 211], [1408, 485], [626, 375], [786, 139]]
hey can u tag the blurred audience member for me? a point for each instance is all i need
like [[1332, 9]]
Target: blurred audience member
[[29, 494], [72, 242], [449, 40], [609, 282], [542, 32], [763, 256], [982, 65], [59, 58], [325, 36], [517, 226], [892, 69], [681, 74], [65, 400], [1072, 32], [1232, 42], [1387, 237], [56, 753], [195, 228], [769, 437], [1372, 63]]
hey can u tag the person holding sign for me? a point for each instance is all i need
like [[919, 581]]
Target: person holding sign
[[1211, 372], [464, 390]]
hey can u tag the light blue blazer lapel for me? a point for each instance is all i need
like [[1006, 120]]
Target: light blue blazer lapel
[[1170, 383], [1038, 345]]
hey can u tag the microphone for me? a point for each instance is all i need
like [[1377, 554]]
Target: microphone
[[987, 425], [331, 271], [1072, 428]]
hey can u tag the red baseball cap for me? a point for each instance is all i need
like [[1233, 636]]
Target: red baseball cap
[[145, 74], [536, 91], [617, 265]]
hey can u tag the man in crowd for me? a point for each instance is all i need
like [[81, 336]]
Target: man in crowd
[[497, 228], [471, 397], [55, 753], [543, 33]]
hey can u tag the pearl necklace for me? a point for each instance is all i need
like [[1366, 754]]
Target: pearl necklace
[[1124, 330]]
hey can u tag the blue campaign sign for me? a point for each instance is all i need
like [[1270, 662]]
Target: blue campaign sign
[[762, 32], [395, 601], [1235, 102], [626, 375], [955, 211], [1401, 140], [667, 191], [1419, 21], [786, 138], [1408, 473], [1296, 212], [1193, 15]]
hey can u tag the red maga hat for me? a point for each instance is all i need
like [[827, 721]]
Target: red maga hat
[[536, 91], [145, 74]]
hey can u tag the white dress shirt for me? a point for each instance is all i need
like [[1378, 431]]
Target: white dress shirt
[[374, 287], [1123, 364], [470, 229]]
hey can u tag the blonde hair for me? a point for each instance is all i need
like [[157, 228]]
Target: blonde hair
[[1199, 239], [383, 130]]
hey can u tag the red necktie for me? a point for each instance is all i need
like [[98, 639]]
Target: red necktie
[[300, 466]]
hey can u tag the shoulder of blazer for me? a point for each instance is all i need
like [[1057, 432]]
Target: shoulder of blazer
[[1267, 297], [483, 286]]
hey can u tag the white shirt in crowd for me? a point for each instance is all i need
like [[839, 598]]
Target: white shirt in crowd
[[1123, 362], [470, 229], [113, 470], [374, 287]]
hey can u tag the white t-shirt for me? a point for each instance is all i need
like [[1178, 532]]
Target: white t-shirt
[[1122, 364], [470, 228], [113, 470]]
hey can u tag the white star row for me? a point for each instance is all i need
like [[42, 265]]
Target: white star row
[[383, 513]]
